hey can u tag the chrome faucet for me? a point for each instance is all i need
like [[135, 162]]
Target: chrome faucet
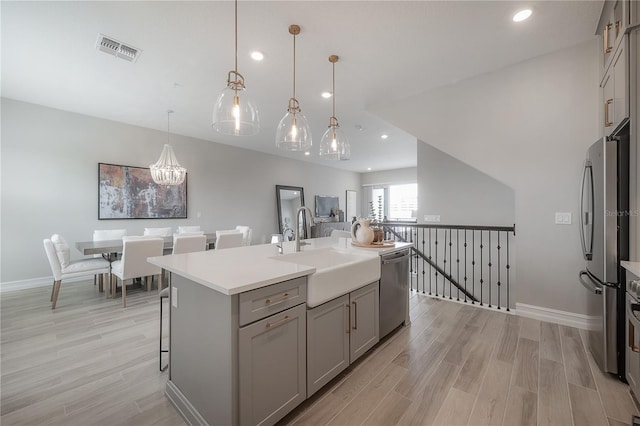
[[297, 238]]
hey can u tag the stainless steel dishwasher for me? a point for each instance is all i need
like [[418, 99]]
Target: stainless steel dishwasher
[[394, 276]]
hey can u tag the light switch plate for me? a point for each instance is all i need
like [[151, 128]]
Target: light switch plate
[[563, 218], [174, 297]]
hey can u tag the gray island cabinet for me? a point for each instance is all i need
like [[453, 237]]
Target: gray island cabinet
[[237, 359], [339, 332], [248, 343]]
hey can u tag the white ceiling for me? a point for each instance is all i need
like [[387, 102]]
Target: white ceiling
[[388, 50]]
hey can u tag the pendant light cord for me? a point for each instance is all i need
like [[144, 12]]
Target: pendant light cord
[[333, 97], [236, 34], [294, 66], [168, 119]]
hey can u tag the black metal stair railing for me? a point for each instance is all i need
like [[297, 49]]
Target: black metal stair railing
[[465, 262]]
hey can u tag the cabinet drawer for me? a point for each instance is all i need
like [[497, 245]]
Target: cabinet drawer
[[262, 302]]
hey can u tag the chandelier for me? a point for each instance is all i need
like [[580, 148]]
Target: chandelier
[[167, 171]]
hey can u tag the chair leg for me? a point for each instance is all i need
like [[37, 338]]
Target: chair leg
[[149, 281], [56, 286], [100, 283], [124, 294], [53, 289]]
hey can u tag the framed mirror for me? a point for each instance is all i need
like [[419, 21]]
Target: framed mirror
[[289, 198]]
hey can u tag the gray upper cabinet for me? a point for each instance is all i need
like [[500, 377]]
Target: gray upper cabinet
[[339, 332], [272, 366], [616, 19], [615, 89]]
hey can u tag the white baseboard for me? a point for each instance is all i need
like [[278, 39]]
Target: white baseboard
[[555, 316], [33, 283]]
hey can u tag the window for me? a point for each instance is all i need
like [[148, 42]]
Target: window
[[403, 201], [400, 202]]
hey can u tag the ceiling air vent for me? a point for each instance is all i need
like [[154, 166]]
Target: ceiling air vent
[[115, 48]]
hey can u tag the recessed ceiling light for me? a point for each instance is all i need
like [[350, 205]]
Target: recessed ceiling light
[[522, 15], [326, 95], [369, 168], [257, 55], [384, 136], [307, 153]]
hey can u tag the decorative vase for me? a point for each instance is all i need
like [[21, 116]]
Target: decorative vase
[[361, 232]]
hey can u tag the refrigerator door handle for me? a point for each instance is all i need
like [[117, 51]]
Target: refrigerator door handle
[[586, 217], [591, 285]]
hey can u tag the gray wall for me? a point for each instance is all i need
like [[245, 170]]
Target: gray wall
[[49, 182], [460, 194], [527, 126], [394, 177]]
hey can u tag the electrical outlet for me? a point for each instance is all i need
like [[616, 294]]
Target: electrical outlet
[[432, 218], [174, 297]]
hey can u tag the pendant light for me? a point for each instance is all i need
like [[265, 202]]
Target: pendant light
[[334, 144], [167, 171], [234, 113], [294, 133]]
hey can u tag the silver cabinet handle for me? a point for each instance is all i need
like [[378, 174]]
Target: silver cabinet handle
[[607, 48], [355, 315], [607, 123], [349, 316], [277, 323], [279, 299]]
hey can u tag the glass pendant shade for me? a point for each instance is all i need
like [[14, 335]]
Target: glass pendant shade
[[293, 132], [235, 114], [334, 144], [167, 170]]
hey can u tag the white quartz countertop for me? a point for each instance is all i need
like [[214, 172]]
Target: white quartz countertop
[[236, 270], [633, 267]]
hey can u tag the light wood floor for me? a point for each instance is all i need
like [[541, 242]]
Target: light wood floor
[[92, 362]]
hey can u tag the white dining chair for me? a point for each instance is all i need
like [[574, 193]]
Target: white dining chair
[[189, 243], [107, 235], [189, 229], [246, 234], [133, 264], [62, 267], [157, 232], [228, 239]]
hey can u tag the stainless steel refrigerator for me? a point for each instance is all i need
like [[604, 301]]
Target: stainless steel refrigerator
[[605, 242]]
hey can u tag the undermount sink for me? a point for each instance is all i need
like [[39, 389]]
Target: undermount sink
[[337, 272]]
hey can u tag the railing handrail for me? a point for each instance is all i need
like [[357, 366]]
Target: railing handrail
[[450, 246], [463, 227]]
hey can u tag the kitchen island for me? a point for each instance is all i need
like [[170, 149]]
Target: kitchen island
[[238, 327]]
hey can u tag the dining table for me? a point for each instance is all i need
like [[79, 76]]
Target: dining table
[[107, 247], [110, 248]]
